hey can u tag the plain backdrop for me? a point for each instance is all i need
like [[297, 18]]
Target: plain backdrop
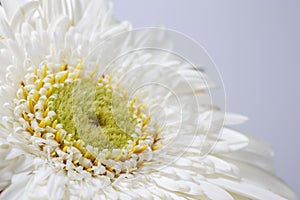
[[256, 46]]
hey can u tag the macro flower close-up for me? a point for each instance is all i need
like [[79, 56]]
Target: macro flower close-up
[[94, 109]]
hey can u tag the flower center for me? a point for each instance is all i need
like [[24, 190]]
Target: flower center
[[94, 114], [82, 123]]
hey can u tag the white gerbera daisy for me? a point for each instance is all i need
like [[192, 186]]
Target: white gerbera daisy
[[85, 115]]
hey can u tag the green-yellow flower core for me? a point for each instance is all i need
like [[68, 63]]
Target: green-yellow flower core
[[94, 114], [92, 121]]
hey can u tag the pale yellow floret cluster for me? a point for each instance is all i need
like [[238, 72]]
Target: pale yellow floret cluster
[[87, 118]]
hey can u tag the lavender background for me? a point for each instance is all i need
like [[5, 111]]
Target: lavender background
[[256, 46]]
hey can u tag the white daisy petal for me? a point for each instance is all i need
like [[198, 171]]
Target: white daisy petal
[[11, 7], [214, 192], [17, 189], [233, 119], [245, 189], [230, 140]]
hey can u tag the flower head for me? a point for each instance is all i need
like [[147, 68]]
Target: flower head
[[93, 110]]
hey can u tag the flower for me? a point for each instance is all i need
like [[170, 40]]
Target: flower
[[90, 112]]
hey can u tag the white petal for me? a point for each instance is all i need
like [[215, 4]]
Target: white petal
[[11, 7], [246, 189], [214, 192], [233, 119], [16, 190], [184, 187], [230, 140]]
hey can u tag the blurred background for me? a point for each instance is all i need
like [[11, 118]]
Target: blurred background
[[256, 46]]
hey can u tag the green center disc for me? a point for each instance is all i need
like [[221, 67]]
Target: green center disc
[[94, 114]]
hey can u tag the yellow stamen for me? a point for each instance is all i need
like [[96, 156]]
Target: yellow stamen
[[57, 135], [53, 154], [49, 92], [46, 104], [52, 81], [89, 169], [25, 117], [87, 154], [43, 123], [140, 116], [119, 156], [65, 149], [63, 77], [133, 101], [35, 74], [25, 93], [156, 138], [40, 84], [29, 129], [109, 87], [100, 80], [137, 149], [63, 66], [92, 74], [155, 147], [109, 78], [92, 158], [79, 65], [144, 136], [54, 124], [139, 108], [46, 112], [144, 128], [69, 137], [76, 76], [78, 144], [111, 169], [145, 122], [37, 134], [45, 70], [36, 96], [30, 105]]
